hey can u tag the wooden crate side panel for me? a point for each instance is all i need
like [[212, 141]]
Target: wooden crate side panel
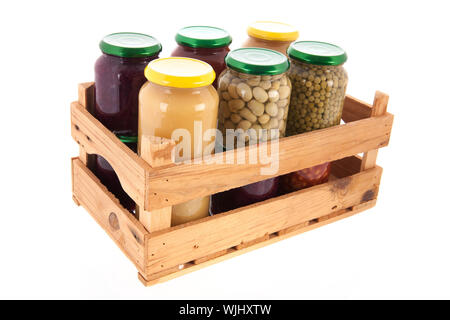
[[379, 108], [355, 109], [181, 244], [119, 224], [86, 97], [94, 138], [167, 185], [346, 166], [149, 280]]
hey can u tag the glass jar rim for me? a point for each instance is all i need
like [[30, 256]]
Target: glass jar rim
[[203, 37], [180, 72], [317, 53], [257, 61], [130, 45]]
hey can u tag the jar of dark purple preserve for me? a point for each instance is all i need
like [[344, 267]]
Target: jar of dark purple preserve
[[119, 75], [209, 44]]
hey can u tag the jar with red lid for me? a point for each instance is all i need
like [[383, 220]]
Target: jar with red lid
[[209, 44], [119, 75]]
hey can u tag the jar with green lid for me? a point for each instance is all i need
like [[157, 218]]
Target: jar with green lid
[[254, 93], [119, 75], [209, 44], [319, 83]]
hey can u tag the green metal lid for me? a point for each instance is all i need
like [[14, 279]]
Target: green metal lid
[[257, 61], [128, 139], [203, 37], [130, 45], [318, 53]]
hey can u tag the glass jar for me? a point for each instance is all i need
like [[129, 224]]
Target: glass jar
[[179, 98], [319, 82], [119, 75], [209, 44], [254, 95], [270, 35], [109, 178]]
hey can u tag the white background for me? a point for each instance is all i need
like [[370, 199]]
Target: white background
[[49, 248]]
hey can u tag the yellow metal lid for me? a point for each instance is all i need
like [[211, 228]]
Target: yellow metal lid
[[180, 72], [270, 30]]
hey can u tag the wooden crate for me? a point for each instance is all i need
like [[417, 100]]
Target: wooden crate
[[161, 252]]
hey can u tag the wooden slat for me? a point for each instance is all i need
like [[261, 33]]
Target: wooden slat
[[230, 253], [167, 186], [346, 167], [86, 97], [94, 138], [157, 152], [121, 225], [379, 108], [201, 238], [355, 109]]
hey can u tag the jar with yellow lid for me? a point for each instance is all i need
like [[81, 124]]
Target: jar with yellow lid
[[179, 102], [270, 35]]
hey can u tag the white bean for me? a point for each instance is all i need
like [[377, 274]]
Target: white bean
[[271, 109], [266, 84], [236, 105], [254, 81], [275, 85], [260, 94], [280, 114], [235, 118], [282, 103], [244, 125], [284, 92], [273, 123], [248, 115], [274, 96], [229, 125], [256, 107], [232, 91], [264, 119], [226, 95], [244, 91]]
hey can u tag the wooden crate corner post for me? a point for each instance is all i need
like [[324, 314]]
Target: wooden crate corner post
[[86, 97], [157, 152], [379, 108]]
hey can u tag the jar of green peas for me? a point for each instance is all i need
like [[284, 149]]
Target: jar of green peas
[[319, 82]]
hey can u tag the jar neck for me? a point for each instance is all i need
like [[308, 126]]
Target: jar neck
[[201, 49], [125, 60], [269, 41], [305, 64]]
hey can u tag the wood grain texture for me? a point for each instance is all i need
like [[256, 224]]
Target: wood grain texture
[[119, 224], [204, 237], [157, 152], [86, 97], [167, 185], [379, 109], [94, 138], [355, 109], [231, 253]]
